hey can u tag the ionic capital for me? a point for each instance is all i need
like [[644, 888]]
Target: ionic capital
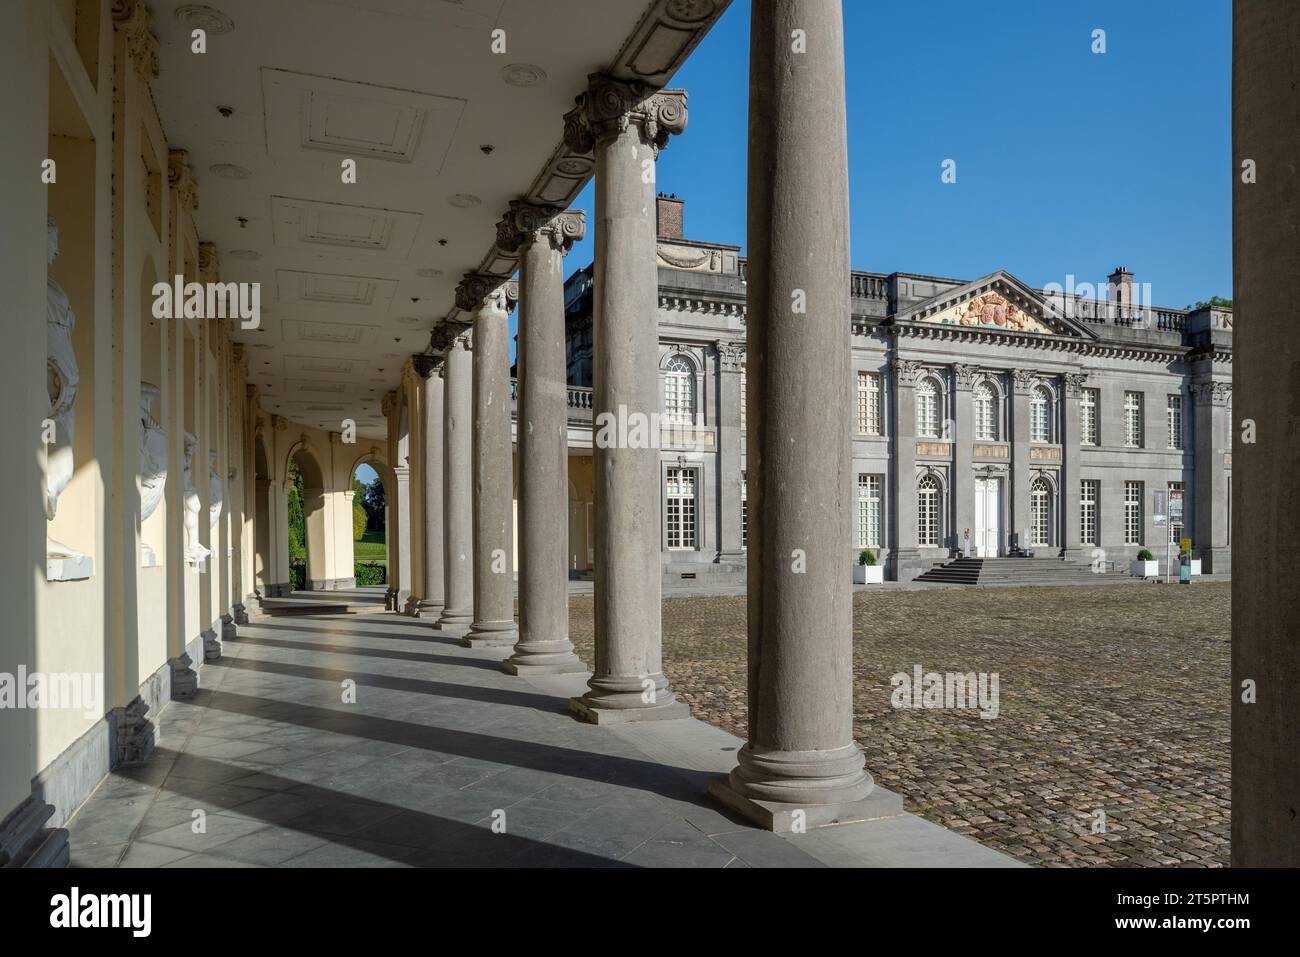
[[131, 18], [526, 223], [181, 179], [480, 290], [610, 106], [425, 365]]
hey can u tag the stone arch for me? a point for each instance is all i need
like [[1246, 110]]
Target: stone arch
[[316, 539]]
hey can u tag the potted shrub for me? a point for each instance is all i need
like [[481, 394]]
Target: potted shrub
[[866, 571], [1144, 566]]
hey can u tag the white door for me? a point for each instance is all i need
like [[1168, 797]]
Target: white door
[[988, 517]]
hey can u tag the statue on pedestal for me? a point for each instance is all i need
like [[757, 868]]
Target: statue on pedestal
[[153, 462], [61, 377], [215, 490], [195, 552]]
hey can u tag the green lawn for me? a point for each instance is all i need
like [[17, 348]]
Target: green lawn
[[371, 548]]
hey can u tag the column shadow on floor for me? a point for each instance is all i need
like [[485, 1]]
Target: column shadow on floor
[[486, 664]]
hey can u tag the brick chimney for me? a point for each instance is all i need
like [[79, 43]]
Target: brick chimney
[[669, 216], [1120, 290]]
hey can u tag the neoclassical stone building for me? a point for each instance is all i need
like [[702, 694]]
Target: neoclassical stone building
[[987, 416]]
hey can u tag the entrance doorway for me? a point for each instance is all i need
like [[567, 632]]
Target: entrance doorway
[[988, 517]]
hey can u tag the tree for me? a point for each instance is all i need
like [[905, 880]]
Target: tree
[[297, 523], [374, 503], [1217, 302]]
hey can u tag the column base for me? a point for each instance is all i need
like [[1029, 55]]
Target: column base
[[211, 645], [454, 621], [491, 634], [429, 609], [25, 841], [584, 709], [783, 818], [185, 680], [561, 662], [131, 734], [620, 699]]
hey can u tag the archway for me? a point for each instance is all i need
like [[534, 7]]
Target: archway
[[372, 490], [306, 534]]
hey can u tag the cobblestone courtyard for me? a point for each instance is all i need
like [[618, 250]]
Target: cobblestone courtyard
[[1113, 699]]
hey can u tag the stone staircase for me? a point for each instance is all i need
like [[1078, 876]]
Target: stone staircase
[[345, 601], [1014, 571]]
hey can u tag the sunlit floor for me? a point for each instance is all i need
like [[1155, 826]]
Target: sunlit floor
[[371, 740]]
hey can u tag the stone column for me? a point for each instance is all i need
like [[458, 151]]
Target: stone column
[[626, 125], [1022, 384], [906, 555], [458, 483], [1266, 523], [402, 512], [962, 437], [542, 235], [431, 601], [1071, 479], [800, 765], [731, 362], [489, 299]]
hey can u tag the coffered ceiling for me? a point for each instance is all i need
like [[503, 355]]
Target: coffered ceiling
[[444, 129]]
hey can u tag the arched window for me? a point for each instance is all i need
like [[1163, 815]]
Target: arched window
[[986, 412], [928, 511], [927, 408], [679, 390], [1040, 512], [1040, 415]]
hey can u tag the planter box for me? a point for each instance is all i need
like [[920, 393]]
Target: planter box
[[1196, 567], [868, 574], [1144, 569]]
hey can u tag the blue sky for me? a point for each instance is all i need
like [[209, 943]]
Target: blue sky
[[1067, 161]]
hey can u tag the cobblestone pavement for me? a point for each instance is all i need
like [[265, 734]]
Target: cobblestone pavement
[[1113, 711]]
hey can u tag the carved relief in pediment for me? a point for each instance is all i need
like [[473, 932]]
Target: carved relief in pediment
[[991, 309]]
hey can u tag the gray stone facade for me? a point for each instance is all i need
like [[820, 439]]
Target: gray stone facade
[[1131, 399]]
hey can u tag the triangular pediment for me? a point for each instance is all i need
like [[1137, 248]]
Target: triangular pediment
[[999, 302]]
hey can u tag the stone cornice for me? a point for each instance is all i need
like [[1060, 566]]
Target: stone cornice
[[701, 304], [610, 107], [1094, 347], [131, 18], [526, 223]]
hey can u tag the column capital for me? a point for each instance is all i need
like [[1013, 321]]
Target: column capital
[[1213, 393], [1023, 380], [131, 18], [610, 106], [731, 355], [478, 290], [180, 176], [525, 223], [1074, 383], [425, 365], [905, 370], [964, 375]]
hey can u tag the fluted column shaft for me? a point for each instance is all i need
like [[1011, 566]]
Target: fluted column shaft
[[543, 235], [431, 423], [458, 483], [800, 763], [494, 612], [626, 125]]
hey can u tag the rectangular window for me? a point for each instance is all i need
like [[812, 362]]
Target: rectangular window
[[1176, 529], [1174, 412], [1133, 420], [744, 399], [869, 510], [1088, 416], [868, 403], [744, 510], [679, 504], [1133, 513], [1089, 490]]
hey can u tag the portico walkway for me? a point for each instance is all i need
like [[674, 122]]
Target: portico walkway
[[438, 744]]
